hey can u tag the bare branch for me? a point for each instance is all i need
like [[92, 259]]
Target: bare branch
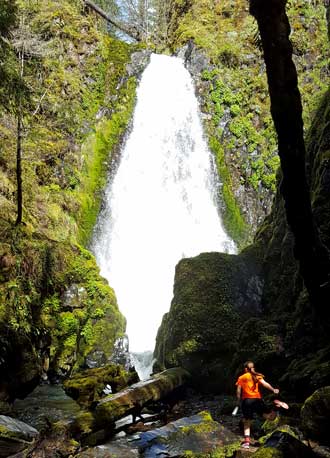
[[131, 31]]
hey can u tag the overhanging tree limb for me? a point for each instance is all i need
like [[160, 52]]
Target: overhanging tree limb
[[131, 31]]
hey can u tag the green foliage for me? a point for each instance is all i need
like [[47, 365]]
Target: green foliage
[[9, 72], [66, 155]]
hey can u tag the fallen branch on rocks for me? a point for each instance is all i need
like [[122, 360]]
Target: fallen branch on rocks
[[94, 426]]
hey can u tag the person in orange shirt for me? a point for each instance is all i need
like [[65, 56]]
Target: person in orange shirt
[[249, 396]]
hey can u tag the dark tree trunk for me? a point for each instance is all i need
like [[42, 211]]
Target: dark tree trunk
[[286, 111]]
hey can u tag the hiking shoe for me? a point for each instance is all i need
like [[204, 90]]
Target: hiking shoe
[[281, 404], [245, 445]]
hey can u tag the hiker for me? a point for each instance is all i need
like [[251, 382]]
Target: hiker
[[249, 396]]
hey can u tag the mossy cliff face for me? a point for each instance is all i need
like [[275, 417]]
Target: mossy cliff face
[[55, 309], [232, 85]]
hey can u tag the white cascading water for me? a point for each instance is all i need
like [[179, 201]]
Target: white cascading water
[[160, 205]]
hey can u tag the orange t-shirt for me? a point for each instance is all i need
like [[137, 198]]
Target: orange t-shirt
[[249, 388]]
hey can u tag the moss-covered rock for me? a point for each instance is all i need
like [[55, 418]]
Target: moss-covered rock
[[196, 436], [15, 436], [284, 445], [315, 416], [87, 387], [213, 293]]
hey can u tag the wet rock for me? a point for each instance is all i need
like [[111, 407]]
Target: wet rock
[[139, 61], [195, 59], [74, 297], [21, 365], [15, 436], [95, 359], [121, 353], [196, 434]]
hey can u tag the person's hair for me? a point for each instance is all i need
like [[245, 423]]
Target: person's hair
[[253, 373]]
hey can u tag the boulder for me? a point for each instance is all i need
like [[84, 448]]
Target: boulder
[[283, 445], [315, 416], [188, 436], [214, 293], [15, 436]]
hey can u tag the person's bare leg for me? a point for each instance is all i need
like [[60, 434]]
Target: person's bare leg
[[247, 430]]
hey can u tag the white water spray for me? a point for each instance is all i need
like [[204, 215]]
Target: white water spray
[[161, 204]]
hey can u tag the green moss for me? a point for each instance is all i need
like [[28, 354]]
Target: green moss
[[232, 217], [97, 150], [86, 387], [268, 452], [270, 426]]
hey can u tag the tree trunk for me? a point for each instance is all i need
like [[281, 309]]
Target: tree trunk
[[19, 146], [286, 111], [19, 168]]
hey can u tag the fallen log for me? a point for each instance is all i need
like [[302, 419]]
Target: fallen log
[[94, 426], [129, 30], [134, 398]]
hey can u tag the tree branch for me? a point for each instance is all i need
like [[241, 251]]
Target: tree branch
[[131, 31]]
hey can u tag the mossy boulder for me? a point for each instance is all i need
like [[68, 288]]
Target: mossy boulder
[[90, 321], [315, 416], [15, 436], [284, 445], [213, 294], [87, 387]]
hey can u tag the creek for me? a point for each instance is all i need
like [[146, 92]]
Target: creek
[[160, 206]]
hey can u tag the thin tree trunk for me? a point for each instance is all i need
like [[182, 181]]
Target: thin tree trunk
[[19, 149], [286, 111], [19, 168]]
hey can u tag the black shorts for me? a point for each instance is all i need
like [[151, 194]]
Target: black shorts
[[251, 406]]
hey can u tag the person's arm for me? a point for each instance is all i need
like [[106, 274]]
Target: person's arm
[[268, 386], [238, 394]]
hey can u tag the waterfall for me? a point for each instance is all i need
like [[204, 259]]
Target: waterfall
[[161, 205]]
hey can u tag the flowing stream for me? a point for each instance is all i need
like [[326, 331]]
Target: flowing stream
[[160, 206]]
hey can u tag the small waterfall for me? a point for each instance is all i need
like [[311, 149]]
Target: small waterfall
[[160, 205]]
